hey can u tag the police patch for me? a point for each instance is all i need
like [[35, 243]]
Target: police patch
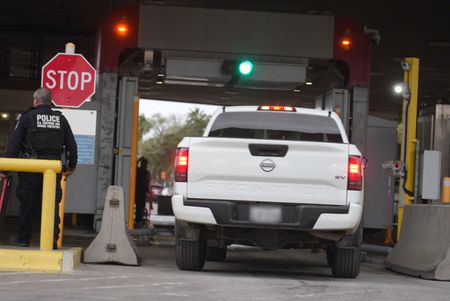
[[48, 121]]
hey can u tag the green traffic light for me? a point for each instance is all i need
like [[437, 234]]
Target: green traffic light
[[245, 68]]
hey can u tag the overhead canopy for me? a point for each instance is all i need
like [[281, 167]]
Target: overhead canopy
[[186, 48]]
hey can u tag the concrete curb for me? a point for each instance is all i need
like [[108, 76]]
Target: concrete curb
[[20, 259]]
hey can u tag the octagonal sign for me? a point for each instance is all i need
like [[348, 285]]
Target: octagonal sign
[[71, 79]]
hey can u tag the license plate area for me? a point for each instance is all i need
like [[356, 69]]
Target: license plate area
[[263, 214]]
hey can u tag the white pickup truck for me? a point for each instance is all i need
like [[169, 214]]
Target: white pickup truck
[[272, 177]]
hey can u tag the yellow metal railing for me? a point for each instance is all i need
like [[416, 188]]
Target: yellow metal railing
[[49, 168]]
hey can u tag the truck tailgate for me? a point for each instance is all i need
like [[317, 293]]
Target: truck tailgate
[[308, 173]]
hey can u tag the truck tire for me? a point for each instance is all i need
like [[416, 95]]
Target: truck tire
[[345, 262], [190, 254], [216, 254]]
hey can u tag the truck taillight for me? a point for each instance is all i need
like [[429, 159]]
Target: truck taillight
[[354, 173], [277, 108], [181, 164]]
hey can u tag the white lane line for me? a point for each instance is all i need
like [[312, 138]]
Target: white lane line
[[173, 294], [336, 293], [130, 285]]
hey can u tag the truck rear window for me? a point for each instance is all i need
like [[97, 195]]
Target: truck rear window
[[276, 126]]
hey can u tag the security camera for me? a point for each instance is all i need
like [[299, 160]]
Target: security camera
[[373, 35], [405, 65]]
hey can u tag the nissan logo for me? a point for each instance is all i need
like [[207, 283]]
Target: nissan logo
[[267, 165]]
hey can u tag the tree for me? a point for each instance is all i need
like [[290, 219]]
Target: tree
[[166, 133], [196, 123], [145, 125]]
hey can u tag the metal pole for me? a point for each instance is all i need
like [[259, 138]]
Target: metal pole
[[411, 77], [416, 173], [48, 210], [70, 48], [61, 211], [133, 164], [389, 241]]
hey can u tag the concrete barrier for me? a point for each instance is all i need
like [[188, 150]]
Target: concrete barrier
[[113, 243], [423, 249]]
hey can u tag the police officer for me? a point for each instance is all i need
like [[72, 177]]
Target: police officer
[[40, 133]]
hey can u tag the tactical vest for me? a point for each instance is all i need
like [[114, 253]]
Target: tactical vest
[[44, 139]]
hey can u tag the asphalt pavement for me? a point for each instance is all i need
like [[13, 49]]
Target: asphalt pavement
[[247, 274]]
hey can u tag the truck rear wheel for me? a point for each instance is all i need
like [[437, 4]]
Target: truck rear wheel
[[216, 254], [345, 262], [190, 254]]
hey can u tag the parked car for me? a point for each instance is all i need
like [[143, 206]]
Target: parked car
[[165, 201], [155, 191]]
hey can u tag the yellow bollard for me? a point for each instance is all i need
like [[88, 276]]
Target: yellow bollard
[[74, 219], [407, 155], [134, 144], [48, 210], [61, 211], [446, 190]]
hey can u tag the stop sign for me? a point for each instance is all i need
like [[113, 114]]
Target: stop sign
[[71, 79]]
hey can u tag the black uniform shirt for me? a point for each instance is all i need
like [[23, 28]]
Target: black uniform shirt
[[16, 143]]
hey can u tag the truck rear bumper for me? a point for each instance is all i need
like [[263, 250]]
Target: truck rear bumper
[[191, 214], [348, 221], [293, 216]]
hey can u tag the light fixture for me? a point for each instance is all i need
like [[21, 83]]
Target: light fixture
[[4, 116], [308, 80], [346, 41], [121, 28], [398, 88], [403, 89], [160, 79]]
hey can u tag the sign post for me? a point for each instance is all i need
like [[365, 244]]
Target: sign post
[[70, 77]]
